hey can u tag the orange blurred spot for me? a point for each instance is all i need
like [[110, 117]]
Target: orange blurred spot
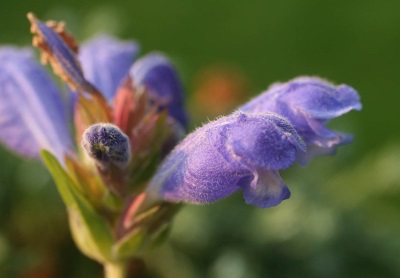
[[218, 90]]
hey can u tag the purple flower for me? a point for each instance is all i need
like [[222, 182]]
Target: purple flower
[[156, 73], [33, 115], [309, 103], [241, 151], [247, 149]]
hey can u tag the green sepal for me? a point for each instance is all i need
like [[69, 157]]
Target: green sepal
[[90, 231], [130, 244], [161, 236], [91, 186], [148, 230]]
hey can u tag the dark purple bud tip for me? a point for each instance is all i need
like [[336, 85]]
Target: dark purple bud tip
[[107, 144]]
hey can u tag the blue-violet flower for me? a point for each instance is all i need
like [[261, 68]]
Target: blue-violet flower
[[246, 149]]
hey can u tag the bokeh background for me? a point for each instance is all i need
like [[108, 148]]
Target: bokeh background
[[343, 219]]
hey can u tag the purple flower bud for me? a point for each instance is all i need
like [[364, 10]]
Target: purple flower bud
[[156, 73], [107, 144], [309, 103], [239, 151]]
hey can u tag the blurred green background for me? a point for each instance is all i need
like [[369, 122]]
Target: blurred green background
[[343, 217]]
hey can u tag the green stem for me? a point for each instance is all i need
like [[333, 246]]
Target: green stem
[[115, 270]]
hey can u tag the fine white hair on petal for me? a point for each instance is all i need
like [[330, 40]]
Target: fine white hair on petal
[[227, 155]]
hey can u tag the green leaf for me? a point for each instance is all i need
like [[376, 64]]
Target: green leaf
[[90, 230]]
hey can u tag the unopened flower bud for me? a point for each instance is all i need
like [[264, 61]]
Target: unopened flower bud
[[107, 144]]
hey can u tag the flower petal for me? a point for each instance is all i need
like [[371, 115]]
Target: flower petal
[[270, 145], [106, 62], [156, 73], [269, 190], [59, 49], [54, 49], [231, 153], [309, 103], [32, 114]]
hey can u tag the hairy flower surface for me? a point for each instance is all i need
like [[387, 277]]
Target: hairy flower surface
[[309, 103], [240, 151], [246, 149], [107, 144]]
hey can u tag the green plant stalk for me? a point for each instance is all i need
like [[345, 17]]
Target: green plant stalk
[[115, 270]]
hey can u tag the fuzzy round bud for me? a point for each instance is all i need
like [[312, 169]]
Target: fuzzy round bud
[[107, 144]]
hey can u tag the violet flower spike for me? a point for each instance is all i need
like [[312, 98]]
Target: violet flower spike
[[240, 151], [104, 193], [309, 103]]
